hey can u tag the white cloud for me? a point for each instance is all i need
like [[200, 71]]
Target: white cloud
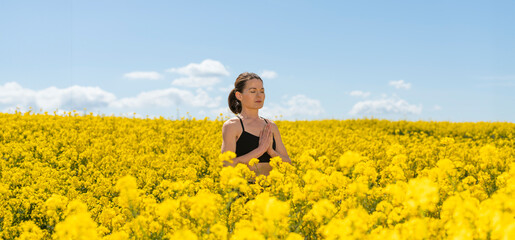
[[207, 67], [13, 96], [13, 93], [224, 110], [143, 75], [168, 97], [215, 113], [268, 74], [226, 89], [74, 97], [131, 115], [437, 108], [358, 93], [400, 84], [202, 74], [294, 107], [388, 105]]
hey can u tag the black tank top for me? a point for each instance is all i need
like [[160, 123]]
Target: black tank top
[[248, 142]]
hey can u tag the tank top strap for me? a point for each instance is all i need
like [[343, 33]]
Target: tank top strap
[[264, 119], [241, 123]]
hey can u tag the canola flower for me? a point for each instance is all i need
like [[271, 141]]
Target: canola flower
[[104, 177]]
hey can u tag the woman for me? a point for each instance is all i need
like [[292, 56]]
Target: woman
[[249, 135]]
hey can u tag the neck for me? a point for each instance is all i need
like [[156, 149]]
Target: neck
[[250, 113]]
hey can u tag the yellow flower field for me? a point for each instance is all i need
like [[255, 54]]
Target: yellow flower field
[[105, 177]]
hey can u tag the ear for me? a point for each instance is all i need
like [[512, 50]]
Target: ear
[[238, 95]]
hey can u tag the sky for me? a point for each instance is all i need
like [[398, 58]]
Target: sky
[[397, 60]]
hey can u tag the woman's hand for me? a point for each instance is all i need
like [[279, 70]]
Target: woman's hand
[[265, 139], [270, 149]]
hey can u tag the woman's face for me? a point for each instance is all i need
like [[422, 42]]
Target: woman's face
[[253, 96]]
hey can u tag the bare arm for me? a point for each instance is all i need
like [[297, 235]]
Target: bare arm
[[229, 134], [280, 148]]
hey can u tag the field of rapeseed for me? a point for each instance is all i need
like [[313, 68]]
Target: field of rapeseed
[[101, 177]]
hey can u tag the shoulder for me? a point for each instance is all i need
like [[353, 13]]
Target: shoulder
[[274, 126], [232, 124]]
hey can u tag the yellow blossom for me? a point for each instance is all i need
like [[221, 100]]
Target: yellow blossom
[[184, 234], [30, 231], [71, 175], [253, 161], [77, 225]]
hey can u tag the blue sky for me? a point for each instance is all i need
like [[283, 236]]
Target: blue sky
[[412, 60]]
